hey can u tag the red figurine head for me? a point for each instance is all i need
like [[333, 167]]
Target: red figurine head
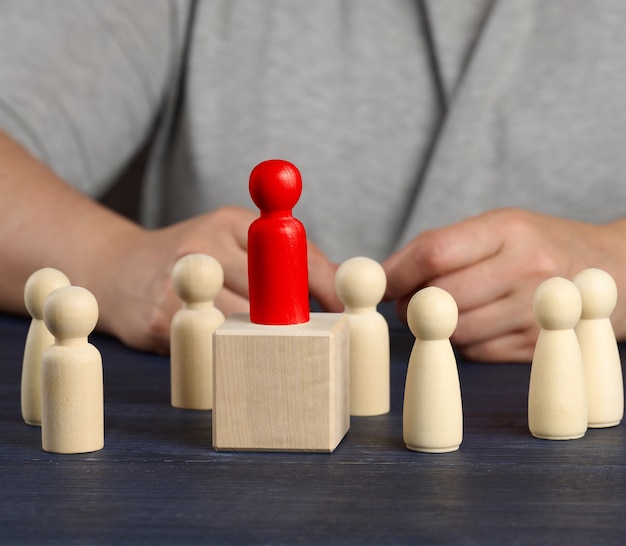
[[275, 185]]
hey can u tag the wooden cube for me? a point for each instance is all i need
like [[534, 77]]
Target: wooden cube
[[281, 388]]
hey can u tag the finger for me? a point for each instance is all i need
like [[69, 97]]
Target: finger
[[236, 274], [322, 280], [439, 252], [502, 330], [497, 319], [229, 302], [471, 287], [236, 264], [481, 283], [401, 307], [224, 235], [514, 347]]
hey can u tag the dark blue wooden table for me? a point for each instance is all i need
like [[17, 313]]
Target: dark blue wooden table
[[158, 481]]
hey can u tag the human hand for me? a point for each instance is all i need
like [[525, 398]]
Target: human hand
[[137, 300], [47, 223], [492, 265]]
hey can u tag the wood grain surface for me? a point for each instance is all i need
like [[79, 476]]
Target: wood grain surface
[[158, 480]]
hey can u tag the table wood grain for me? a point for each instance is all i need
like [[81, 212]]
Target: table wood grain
[[158, 480]]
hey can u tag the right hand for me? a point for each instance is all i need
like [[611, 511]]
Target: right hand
[[137, 300]]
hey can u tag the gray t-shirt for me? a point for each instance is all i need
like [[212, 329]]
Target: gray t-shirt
[[401, 115]]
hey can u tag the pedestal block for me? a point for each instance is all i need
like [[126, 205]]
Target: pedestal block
[[281, 388]]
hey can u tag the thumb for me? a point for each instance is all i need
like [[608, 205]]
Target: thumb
[[322, 280]]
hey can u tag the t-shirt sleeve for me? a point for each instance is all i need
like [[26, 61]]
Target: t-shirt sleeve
[[82, 81]]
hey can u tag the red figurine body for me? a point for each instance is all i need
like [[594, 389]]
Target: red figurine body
[[277, 250]]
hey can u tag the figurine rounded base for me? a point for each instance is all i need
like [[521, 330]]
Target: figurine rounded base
[[605, 425], [32, 422], [433, 449], [574, 436]]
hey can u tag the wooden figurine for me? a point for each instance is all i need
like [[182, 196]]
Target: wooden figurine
[[360, 283], [277, 251], [281, 375], [38, 286], [72, 408], [432, 419], [197, 278], [601, 360], [557, 397]]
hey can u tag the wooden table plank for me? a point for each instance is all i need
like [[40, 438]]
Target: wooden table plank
[[158, 481]]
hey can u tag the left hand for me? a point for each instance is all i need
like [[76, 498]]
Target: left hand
[[492, 264]]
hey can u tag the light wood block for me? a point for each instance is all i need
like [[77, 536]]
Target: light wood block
[[281, 388]]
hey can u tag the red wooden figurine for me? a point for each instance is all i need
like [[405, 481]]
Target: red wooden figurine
[[277, 250]]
